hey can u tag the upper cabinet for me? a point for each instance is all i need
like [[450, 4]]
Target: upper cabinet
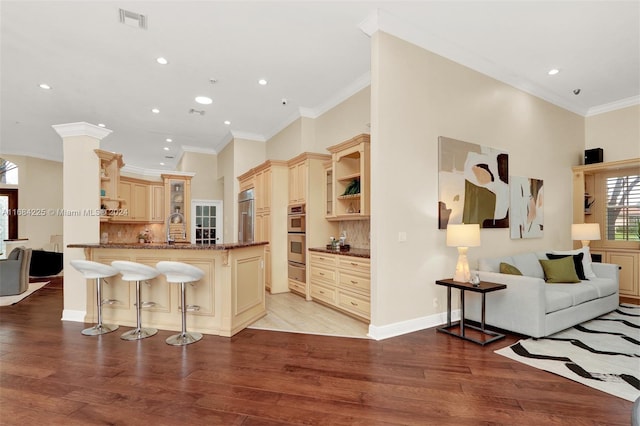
[[134, 201], [156, 203], [110, 165], [177, 198], [350, 173], [298, 181]]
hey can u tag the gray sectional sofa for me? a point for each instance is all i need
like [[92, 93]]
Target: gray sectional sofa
[[531, 306]]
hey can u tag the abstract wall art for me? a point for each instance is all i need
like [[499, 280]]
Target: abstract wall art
[[527, 202], [473, 184]]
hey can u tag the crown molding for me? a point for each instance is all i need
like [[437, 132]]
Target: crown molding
[[196, 149], [380, 20], [81, 129], [613, 106], [239, 134]]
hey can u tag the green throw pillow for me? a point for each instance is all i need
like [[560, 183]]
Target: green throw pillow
[[505, 268], [560, 270]]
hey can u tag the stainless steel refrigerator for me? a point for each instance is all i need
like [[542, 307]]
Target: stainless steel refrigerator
[[245, 216]]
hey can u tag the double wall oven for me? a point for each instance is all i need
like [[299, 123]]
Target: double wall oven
[[296, 239]]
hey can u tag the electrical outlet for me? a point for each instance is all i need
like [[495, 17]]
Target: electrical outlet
[[436, 302], [402, 236]]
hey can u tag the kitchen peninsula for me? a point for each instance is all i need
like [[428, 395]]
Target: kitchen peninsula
[[226, 300]]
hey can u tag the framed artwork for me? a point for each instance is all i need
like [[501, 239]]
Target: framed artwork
[[527, 202], [473, 184]]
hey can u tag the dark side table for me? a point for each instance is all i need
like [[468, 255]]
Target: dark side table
[[484, 287]]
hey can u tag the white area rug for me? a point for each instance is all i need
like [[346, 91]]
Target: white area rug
[[12, 300], [603, 353]]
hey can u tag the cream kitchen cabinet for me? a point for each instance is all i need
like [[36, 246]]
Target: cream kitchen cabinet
[[298, 182], [629, 262], [342, 282], [270, 181], [134, 200], [156, 203], [177, 200], [351, 179]]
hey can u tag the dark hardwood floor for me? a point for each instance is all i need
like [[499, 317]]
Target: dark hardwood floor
[[52, 375]]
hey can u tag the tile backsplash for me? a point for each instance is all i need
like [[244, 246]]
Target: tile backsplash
[[128, 232], [358, 233]]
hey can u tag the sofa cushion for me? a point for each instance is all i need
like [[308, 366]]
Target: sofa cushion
[[577, 262], [506, 268], [604, 286], [580, 293], [559, 270], [586, 260], [528, 264], [556, 300]]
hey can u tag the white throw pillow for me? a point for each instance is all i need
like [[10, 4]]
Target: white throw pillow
[[586, 260]]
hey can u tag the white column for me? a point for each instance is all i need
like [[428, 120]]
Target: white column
[[80, 198]]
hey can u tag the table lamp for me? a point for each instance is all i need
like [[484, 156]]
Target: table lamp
[[463, 236], [585, 232]]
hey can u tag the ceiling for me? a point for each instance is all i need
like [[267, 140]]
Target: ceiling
[[313, 54]]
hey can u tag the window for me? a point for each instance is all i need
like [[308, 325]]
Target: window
[[623, 208], [8, 172]]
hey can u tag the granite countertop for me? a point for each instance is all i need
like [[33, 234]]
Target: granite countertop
[[165, 246], [354, 252]]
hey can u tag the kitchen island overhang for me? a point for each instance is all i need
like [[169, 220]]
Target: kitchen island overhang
[[229, 297]]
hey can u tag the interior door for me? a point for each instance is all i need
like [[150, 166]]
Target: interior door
[[8, 217], [207, 217]]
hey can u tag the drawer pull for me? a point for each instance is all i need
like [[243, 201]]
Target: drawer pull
[[191, 308], [354, 264], [110, 301], [354, 304], [321, 292], [321, 273], [147, 304], [354, 282]]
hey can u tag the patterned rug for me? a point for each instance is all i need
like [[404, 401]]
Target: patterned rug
[[603, 353], [12, 300]]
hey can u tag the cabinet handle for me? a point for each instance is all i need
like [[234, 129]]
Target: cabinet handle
[[354, 304], [147, 304], [191, 308], [354, 264], [321, 273], [110, 301], [321, 292]]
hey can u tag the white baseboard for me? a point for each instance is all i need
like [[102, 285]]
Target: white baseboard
[[409, 326], [75, 316]]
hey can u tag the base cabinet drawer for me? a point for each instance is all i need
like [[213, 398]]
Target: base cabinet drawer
[[298, 287], [325, 294], [355, 264], [323, 275], [354, 303], [355, 282]]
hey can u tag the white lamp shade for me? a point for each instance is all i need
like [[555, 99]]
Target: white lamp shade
[[463, 235], [585, 231]]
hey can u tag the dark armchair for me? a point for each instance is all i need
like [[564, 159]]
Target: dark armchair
[[14, 272]]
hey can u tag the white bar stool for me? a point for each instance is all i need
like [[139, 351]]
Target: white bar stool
[[94, 270], [178, 272], [132, 271]]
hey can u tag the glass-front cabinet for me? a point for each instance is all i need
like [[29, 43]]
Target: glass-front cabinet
[[178, 205]]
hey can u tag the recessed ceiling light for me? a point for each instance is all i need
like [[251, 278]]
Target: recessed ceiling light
[[553, 71], [162, 61], [169, 140], [203, 100], [101, 125], [166, 148], [45, 86], [155, 111], [227, 122], [262, 82], [162, 164]]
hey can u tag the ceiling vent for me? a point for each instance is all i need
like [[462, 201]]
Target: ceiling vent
[[195, 111], [133, 19]]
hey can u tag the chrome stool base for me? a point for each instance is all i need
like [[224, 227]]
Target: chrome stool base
[[97, 330], [183, 339], [138, 333]]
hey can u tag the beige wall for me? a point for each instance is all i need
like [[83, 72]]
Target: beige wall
[[344, 121], [205, 184], [417, 96], [40, 187], [616, 132], [287, 143]]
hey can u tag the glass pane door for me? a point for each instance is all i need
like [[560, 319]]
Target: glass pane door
[[207, 220]]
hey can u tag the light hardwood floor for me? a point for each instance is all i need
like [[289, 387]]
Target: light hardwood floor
[[291, 313]]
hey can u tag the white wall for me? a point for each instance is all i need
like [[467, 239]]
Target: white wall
[[616, 132], [344, 121], [417, 96], [205, 184]]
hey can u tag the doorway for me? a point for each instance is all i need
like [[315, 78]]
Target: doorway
[[207, 217], [8, 217]]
